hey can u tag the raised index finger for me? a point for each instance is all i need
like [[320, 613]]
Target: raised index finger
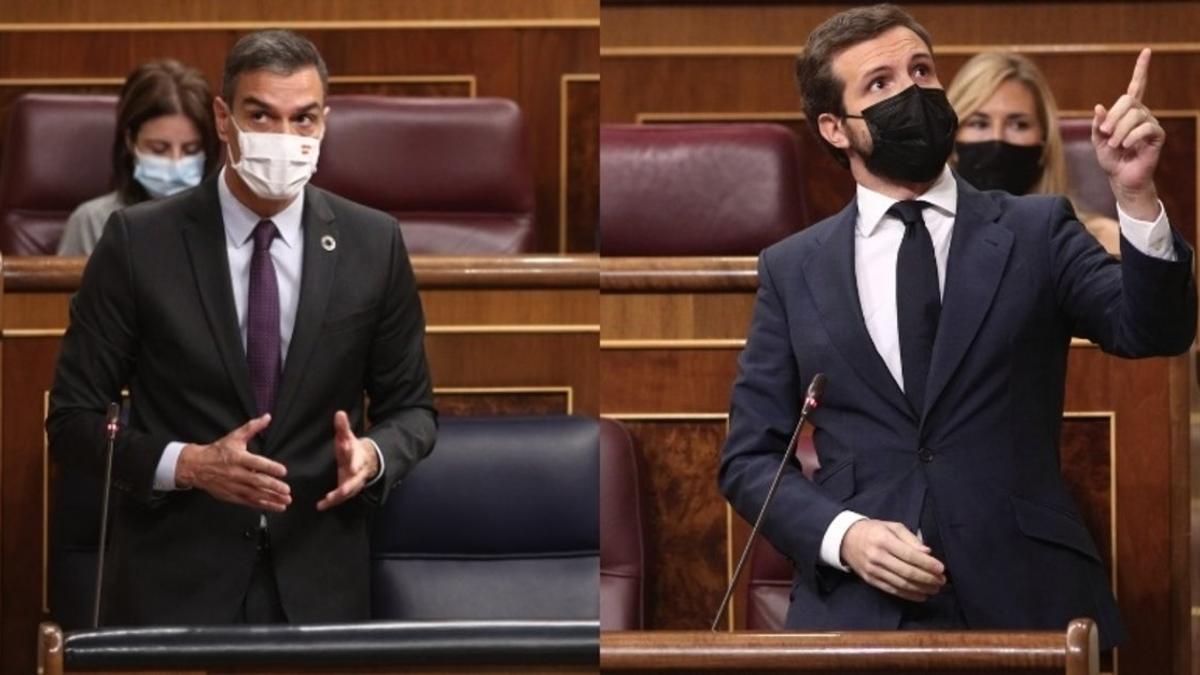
[[1137, 84]]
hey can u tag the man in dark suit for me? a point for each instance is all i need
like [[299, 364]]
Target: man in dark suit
[[247, 317], [941, 316]]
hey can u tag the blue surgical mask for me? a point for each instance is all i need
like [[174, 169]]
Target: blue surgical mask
[[163, 177]]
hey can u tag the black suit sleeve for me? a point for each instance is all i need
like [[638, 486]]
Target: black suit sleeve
[[1142, 306], [404, 421], [97, 356]]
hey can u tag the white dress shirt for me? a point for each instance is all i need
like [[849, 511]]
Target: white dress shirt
[[877, 236], [287, 253]]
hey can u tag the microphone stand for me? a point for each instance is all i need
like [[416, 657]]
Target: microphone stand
[[111, 427], [811, 401]]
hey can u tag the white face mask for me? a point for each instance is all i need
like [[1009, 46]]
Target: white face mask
[[275, 166]]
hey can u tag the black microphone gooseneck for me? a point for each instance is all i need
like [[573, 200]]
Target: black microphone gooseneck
[[112, 425], [811, 400]]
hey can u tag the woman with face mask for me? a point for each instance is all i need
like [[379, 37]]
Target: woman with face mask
[[1008, 136], [165, 143]]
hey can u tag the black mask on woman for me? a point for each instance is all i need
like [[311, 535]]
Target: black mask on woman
[[997, 165], [912, 134]]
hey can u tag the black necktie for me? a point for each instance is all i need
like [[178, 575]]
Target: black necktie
[[918, 301], [262, 319]]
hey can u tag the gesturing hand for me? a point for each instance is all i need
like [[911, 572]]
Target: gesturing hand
[[892, 559], [357, 463], [1128, 141], [228, 471]]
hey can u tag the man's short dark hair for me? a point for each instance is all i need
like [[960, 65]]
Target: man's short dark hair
[[279, 51], [821, 90]]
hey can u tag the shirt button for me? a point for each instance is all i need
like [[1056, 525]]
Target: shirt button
[[925, 455], [249, 533]]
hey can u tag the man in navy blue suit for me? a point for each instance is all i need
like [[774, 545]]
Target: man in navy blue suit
[[942, 317]]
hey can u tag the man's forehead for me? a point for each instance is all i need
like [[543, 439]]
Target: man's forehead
[[293, 90], [895, 45]]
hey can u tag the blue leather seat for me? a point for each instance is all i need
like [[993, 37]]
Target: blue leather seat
[[501, 521]]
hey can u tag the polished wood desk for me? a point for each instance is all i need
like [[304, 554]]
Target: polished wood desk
[[671, 332], [1073, 652], [513, 334]]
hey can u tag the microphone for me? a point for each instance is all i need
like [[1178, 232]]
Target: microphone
[[111, 427], [811, 400]]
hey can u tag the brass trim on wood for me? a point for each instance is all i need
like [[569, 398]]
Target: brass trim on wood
[[675, 343]]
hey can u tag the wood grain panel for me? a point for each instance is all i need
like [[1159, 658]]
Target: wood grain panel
[[518, 360], [684, 520], [28, 368], [289, 11], [1098, 21], [1086, 455], [541, 98], [580, 192], [498, 401], [744, 81], [673, 316], [667, 381]]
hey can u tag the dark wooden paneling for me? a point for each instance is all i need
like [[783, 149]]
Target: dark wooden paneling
[[28, 367], [541, 97], [508, 403], [1086, 454], [582, 193], [684, 520], [667, 380], [276, 11], [518, 360], [970, 22]]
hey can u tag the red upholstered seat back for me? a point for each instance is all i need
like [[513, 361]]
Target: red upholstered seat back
[[454, 171], [621, 555], [57, 155], [677, 190], [1086, 181]]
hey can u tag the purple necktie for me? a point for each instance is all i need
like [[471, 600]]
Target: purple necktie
[[262, 319]]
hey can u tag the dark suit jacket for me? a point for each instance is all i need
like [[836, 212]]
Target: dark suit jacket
[[155, 313], [1022, 278]]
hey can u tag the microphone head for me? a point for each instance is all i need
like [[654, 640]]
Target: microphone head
[[816, 389]]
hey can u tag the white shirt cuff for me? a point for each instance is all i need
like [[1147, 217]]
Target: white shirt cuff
[[164, 474], [1152, 238], [379, 453], [831, 543]]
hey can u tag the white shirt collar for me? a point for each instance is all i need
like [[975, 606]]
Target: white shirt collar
[[873, 206], [240, 221]]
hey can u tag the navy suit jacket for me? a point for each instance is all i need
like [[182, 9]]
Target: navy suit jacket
[[1022, 278]]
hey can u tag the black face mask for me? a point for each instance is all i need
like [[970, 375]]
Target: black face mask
[[912, 134], [996, 165]]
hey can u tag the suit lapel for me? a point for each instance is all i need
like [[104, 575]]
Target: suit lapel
[[978, 255], [204, 237], [316, 284], [834, 287]]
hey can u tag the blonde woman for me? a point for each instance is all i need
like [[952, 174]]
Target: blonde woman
[[1008, 136]]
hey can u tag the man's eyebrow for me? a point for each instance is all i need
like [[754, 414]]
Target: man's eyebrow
[[872, 73]]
